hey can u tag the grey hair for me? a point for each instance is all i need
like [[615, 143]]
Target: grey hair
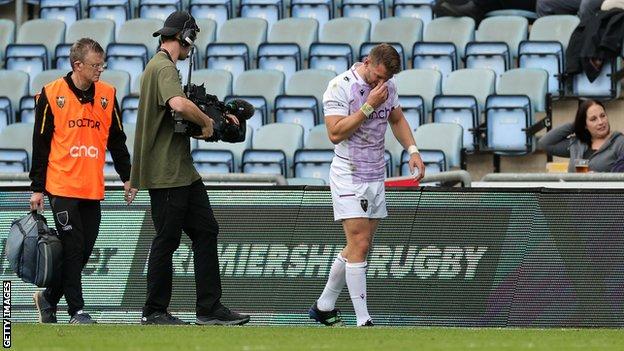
[[81, 48]]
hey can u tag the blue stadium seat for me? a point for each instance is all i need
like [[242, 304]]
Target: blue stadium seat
[[131, 58], [13, 160], [217, 10], [331, 56], [372, 10], [129, 108], [413, 107], [213, 161], [29, 58], [441, 57], [601, 88], [421, 9], [320, 10], [414, 83], [300, 110], [158, 9], [27, 109], [14, 86], [283, 57], [546, 55], [491, 55], [313, 163], [61, 57], [268, 10], [6, 112], [68, 11], [230, 57], [463, 110], [264, 162], [118, 11], [508, 117]]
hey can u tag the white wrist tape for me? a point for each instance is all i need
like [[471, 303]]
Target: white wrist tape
[[412, 149]]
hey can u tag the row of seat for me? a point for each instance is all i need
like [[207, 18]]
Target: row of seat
[[220, 11], [276, 148]]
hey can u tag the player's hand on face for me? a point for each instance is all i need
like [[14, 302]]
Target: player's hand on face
[[378, 95]]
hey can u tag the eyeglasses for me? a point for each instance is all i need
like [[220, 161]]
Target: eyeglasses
[[96, 66]]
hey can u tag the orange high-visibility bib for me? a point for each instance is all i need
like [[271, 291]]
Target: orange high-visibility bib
[[78, 148]]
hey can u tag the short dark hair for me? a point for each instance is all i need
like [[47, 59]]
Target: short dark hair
[[82, 47], [386, 55], [580, 121], [166, 38]]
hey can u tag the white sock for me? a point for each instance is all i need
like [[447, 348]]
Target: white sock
[[335, 283], [356, 282]]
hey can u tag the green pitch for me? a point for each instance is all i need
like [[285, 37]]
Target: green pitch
[[154, 338]]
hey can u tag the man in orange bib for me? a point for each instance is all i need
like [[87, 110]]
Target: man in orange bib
[[76, 120]]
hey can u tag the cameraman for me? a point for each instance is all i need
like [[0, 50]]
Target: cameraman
[[163, 165]]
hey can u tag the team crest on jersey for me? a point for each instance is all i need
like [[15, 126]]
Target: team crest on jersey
[[104, 102], [364, 204], [362, 92], [60, 101]]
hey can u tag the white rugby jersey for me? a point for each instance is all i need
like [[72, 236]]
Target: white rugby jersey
[[364, 149]]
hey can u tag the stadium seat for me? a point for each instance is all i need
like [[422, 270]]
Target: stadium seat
[[61, 57], [213, 161], [302, 31], [334, 57], [464, 95], [510, 30], [318, 138], [313, 163], [320, 10], [366, 48], [47, 32], [602, 87], [302, 110], [508, 115], [310, 82], [129, 130], [282, 57], [233, 58], [250, 31], [139, 31], [158, 9], [414, 85], [14, 86], [26, 111], [441, 57], [7, 36], [131, 58], [16, 148], [6, 112], [29, 58], [135, 84], [120, 80], [421, 9], [546, 47], [208, 30], [352, 31], [274, 146], [457, 30], [100, 30], [129, 108], [404, 30], [118, 11], [488, 55], [67, 11], [269, 10], [266, 83], [44, 78], [442, 136], [393, 149], [218, 82], [236, 149], [372, 10], [217, 10]]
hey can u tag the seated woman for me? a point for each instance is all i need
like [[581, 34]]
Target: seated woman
[[589, 138]]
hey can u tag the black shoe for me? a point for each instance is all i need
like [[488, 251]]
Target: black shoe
[[223, 316], [329, 318], [468, 9], [368, 323], [162, 318], [81, 318], [47, 312]]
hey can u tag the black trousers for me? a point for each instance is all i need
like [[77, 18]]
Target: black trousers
[[493, 5], [173, 210], [78, 223]]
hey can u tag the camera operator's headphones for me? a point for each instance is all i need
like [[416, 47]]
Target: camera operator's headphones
[[188, 34]]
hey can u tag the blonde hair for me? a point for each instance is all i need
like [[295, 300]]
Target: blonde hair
[[386, 55]]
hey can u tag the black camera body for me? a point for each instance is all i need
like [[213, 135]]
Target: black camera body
[[216, 109]]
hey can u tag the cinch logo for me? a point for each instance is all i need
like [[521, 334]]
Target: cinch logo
[[83, 123], [84, 151], [381, 114]]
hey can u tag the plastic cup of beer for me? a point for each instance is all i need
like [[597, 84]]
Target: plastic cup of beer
[[581, 165]]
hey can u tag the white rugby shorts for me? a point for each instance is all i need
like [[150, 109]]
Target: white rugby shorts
[[361, 200]]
